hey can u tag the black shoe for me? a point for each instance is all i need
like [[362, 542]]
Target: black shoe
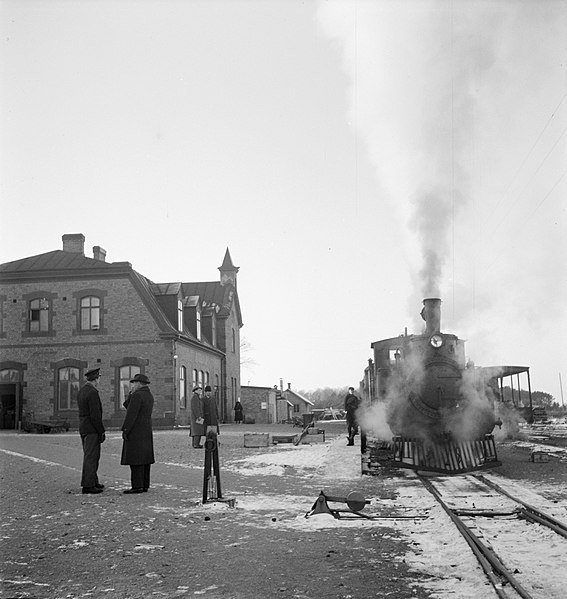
[[93, 490], [99, 486], [130, 491]]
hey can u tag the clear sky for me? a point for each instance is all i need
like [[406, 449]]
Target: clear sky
[[355, 157]]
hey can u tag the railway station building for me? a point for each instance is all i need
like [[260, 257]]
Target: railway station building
[[63, 313]]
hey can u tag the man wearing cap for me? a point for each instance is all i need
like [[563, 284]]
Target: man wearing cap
[[91, 430], [196, 418], [351, 406], [137, 434]]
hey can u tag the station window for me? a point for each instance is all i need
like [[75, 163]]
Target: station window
[[38, 315], [183, 387], [90, 313], [127, 373], [67, 388]]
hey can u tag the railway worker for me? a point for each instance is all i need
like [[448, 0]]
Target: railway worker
[[137, 435], [91, 430], [351, 406], [196, 419]]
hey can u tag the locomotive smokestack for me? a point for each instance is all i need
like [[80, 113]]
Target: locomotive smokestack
[[431, 313]]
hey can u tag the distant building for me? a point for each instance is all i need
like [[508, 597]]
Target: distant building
[[269, 405], [62, 313], [259, 405], [299, 405]]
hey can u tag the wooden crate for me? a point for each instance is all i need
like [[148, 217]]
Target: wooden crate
[[283, 439]]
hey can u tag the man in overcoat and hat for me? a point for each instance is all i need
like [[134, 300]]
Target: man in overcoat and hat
[[137, 434], [196, 419], [91, 430], [210, 412]]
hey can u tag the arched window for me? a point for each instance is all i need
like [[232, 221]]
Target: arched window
[[9, 375], [183, 387], [90, 313], [201, 379], [127, 373], [195, 379], [67, 387]]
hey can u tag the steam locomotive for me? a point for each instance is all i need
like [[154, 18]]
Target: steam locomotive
[[439, 409]]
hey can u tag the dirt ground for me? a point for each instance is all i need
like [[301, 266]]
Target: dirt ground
[[58, 543]]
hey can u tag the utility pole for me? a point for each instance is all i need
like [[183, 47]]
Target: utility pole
[[561, 389]]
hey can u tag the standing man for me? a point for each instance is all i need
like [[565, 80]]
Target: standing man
[[210, 412], [91, 430], [196, 418], [138, 444], [351, 405]]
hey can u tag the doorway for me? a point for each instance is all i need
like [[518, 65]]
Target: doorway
[[10, 408]]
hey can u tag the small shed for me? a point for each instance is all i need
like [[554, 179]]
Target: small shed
[[259, 404]]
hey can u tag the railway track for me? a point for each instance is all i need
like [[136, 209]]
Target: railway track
[[520, 547]]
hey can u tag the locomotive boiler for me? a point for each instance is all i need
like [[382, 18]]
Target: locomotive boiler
[[438, 408]]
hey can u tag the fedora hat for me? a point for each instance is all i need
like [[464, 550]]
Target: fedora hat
[[140, 378]]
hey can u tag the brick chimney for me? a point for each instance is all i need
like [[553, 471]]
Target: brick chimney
[[74, 242], [99, 253]]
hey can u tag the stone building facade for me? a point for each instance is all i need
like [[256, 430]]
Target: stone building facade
[[63, 313]]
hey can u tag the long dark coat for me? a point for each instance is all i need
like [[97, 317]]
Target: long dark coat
[[196, 411], [138, 448], [90, 410], [210, 412]]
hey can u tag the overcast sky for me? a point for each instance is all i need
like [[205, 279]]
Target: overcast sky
[[355, 157]]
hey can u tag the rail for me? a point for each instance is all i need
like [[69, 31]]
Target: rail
[[491, 563]]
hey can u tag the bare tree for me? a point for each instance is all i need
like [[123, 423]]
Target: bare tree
[[246, 348]]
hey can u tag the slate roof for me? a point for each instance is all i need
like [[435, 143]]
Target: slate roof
[[64, 262], [298, 395], [55, 260]]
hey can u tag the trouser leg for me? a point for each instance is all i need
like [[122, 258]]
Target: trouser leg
[[196, 440], [137, 477], [91, 458], [147, 476]]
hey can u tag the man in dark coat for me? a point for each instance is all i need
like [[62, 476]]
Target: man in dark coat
[[351, 405], [91, 430], [196, 418], [210, 412], [238, 412], [138, 444]]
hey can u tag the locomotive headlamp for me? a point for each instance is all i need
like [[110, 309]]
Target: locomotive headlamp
[[436, 340]]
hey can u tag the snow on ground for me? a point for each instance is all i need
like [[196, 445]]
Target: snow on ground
[[437, 548]]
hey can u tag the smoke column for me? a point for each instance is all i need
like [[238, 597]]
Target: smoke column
[[448, 99]]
